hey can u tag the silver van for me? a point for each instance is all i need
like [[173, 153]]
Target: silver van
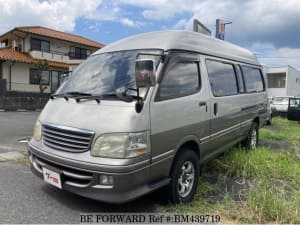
[[145, 113]]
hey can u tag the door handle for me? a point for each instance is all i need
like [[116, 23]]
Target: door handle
[[215, 109], [202, 104]]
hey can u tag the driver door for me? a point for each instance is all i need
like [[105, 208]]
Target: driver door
[[178, 110]]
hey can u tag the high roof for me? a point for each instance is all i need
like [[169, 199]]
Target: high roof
[[46, 32], [182, 40], [8, 54]]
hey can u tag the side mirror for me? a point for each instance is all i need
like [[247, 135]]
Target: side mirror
[[145, 73]]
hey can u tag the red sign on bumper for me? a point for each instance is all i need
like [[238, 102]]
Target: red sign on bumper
[[52, 177]]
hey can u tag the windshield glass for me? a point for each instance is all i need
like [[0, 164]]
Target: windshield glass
[[107, 73]]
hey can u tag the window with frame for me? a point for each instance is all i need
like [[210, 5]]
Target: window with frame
[[222, 78], [276, 80], [180, 79], [253, 79], [40, 45], [34, 77], [79, 53]]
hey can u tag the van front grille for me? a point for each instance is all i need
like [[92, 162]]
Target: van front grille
[[67, 138]]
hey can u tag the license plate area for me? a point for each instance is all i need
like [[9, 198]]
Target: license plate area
[[53, 177]]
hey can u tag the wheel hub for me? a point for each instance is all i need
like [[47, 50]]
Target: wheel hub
[[253, 139], [186, 179]]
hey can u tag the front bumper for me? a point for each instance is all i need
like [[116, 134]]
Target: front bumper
[[79, 178]]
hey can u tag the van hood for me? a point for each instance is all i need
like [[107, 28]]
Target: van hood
[[105, 117]]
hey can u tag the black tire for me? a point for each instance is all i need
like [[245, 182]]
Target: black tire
[[185, 157], [248, 142]]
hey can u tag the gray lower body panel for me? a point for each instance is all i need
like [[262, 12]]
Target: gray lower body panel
[[84, 182]]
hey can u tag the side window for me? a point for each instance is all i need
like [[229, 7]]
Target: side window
[[180, 79], [222, 78], [253, 79], [240, 79]]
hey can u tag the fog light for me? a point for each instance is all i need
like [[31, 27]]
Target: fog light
[[106, 180]]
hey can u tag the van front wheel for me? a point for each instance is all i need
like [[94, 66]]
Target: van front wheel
[[184, 177]]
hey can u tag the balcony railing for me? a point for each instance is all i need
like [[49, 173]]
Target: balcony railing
[[54, 56]]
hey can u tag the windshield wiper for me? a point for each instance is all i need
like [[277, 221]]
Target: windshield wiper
[[69, 94], [97, 98], [122, 96]]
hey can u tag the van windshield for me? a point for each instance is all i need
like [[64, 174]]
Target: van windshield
[[107, 73]]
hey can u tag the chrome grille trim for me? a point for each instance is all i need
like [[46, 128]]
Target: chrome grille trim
[[65, 138], [67, 135]]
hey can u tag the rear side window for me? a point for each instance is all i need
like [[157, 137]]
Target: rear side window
[[180, 79], [253, 79], [222, 78]]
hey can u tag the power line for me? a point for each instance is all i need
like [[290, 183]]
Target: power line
[[278, 57]]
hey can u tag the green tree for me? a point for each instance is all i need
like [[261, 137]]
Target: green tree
[[40, 66]]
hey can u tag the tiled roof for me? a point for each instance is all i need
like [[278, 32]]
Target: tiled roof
[[59, 35], [8, 54]]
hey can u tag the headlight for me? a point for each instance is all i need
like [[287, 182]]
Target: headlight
[[126, 145], [37, 131]]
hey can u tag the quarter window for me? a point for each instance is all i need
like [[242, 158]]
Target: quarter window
[[253, 79], [180, 79], [222, 78]]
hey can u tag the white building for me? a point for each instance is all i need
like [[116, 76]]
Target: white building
[[283, 81], [22, 47]]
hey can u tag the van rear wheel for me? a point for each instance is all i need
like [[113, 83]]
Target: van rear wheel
[[184, 177], [251, 141], [269, 121]]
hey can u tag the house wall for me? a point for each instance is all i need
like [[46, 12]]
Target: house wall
[[1, 70], [20, 77], [5, 71], [59, 50], [293, 82]]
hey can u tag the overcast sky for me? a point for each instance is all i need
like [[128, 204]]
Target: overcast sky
[[270, 28]]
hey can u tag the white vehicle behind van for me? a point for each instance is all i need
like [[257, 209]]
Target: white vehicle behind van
[[280, 105]]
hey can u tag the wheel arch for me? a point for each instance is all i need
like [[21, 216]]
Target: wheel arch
[[257, 120], [191, 142]]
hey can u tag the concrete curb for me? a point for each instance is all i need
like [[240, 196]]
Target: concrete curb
[[11, 156]]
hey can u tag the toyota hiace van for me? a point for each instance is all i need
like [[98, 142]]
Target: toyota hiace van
[[146, 112]]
